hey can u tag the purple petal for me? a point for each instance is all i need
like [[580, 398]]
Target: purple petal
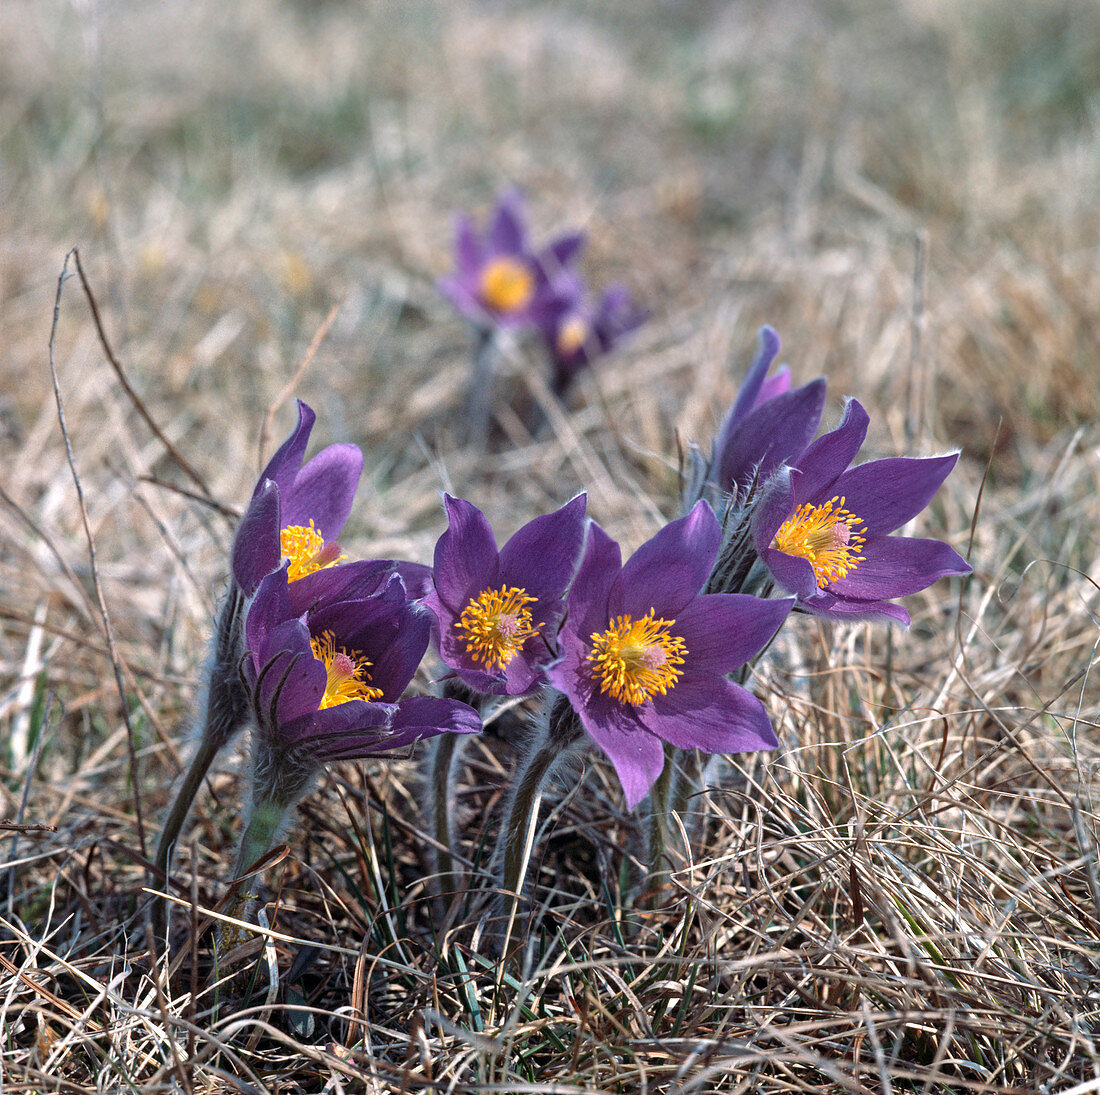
[[542, 556], [324, 490], [466, 559], [896, 566], [353, 729], [773, 386], [825, 460], [599, 568], [885, 494], [291, 680], [417, 578], [775, 506], [344, 582], [553, 261], [463, 296], [637, 755], [725, 630], [257, 550], [469, 254], [749, 392], [836, 608], [426, 716], [667, 571], [791, 572], [396, 664], [710, 713], [507, 231], [284, 465], [774, 433], [270, 607]]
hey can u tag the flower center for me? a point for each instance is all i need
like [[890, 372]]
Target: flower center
[[572, 335], [307, 551], [348, 674], [497, 622], [635, 659], [826, 536], [507, 284]]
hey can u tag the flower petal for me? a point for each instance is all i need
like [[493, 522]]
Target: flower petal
[[256, 548], [324, 490], [637, 755], [793, 573], [723, 631], [599, 568], [466, 560], [668, 570], [469, 254], [344, 582], [507, 230], [710, 713], [774, 386], [426, 716], [885, 494], [896, 566], [824, 461], [542, 556], [774, 433], [287, 460], [748, 394], [841, 610]]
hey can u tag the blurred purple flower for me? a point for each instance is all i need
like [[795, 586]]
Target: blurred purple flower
[[577, 331], [645, 655], [297, 512], [327, 684], [768, 424], [500, 279], [823, 528], [498, 611]]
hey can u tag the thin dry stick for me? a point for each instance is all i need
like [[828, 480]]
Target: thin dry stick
[[139, 406], [292, 383], [105, 618]]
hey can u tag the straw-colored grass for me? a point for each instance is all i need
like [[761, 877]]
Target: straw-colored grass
[[905, 896]]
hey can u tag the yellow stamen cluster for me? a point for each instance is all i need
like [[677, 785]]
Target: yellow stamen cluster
[[348, 673], [307, 551], [635, 659], [507, 284], [572, 335], [497, 622], [826, 536]]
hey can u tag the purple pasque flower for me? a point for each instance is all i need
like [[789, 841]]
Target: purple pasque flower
[[498, 611], [500, 279], [823, 528], [297, 511], [577, 330], [768, 424], [326, 684], [645, 655]]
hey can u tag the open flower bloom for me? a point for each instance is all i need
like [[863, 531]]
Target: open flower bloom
[[327, 684], [297, 512], [823, 528], [577, 331], [500, 280], [768, 424], [498, 611], [645, 655]]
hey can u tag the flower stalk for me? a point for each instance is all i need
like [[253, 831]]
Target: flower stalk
[[554, 742]]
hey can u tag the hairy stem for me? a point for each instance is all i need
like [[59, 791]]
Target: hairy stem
[[553, 743], [444, 755], [481, 383]]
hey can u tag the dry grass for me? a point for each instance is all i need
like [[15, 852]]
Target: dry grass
[[905, 896]]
